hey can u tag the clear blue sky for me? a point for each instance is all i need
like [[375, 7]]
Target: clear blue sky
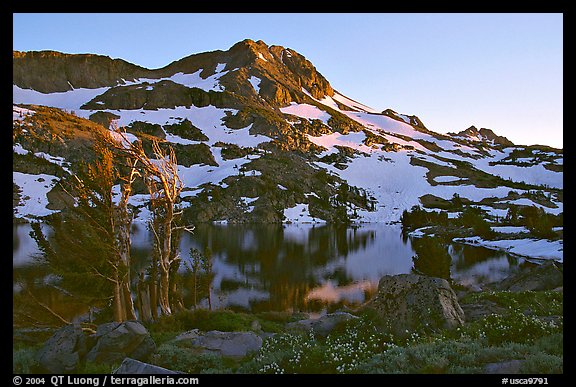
[[499, 71]]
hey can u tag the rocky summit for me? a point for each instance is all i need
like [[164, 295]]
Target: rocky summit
[[260, 135]]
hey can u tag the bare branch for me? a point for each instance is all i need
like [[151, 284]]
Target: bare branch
[[47, 308]]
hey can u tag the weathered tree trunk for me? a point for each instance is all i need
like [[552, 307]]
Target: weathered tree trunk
[[165, 291], [130, 312], [143, 299], [124, 243], [153, 287], [165, 256], [176, 301], [138, 301], [118, 309]]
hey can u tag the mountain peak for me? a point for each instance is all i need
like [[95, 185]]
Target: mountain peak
[[482, 135], [410, 120], [249, 44]]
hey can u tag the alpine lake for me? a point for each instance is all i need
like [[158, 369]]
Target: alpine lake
[[281, 267]]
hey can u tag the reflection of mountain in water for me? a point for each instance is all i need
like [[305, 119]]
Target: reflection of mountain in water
[[480, 265], [281, 267], [263, 267], [432, 258]]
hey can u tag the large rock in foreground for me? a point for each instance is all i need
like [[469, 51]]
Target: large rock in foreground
[[116, 341], [410, 301], [64, 350], [231, 344], [546, 276]]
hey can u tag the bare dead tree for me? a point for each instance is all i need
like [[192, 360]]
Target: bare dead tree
[[164, 185]]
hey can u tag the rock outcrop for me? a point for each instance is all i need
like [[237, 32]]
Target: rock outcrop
[[547, 276], [408, 302], [229, 344], [51, 71], [116, 341], [69, 346], [483, 135], [64, 350]]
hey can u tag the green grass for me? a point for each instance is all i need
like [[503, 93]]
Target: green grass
[[466, 356], [168, 327], [361, 348], [174, 357], [541, 303], [512, 327], [96, 368], [24, 361], [521, 333]]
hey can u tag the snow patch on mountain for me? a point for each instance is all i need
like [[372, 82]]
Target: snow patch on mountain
[[195, 80], [58, 160], [528, 202], [300, 214], [255, 82], [352, 104], [207, 118], [18, 149], [196, 175], [304, 110], [531, 248], [534, 174], [350, 140], [247, 201], [123, 138], [68, 100], [446, 179], [262, 57], [509, 229], [18, 113], [397, 185]]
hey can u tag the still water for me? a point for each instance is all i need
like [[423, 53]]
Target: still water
[[298, 267]]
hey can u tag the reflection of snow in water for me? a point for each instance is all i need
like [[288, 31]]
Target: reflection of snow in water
[[24, 246]]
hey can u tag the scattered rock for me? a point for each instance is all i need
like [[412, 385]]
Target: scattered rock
[[546, 276], [63, 350], [505, 367], [132, 366], [481, 309], [231, 344], [255, 326], [470, 287], [116, 341], [409, 301], [323, 325]]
